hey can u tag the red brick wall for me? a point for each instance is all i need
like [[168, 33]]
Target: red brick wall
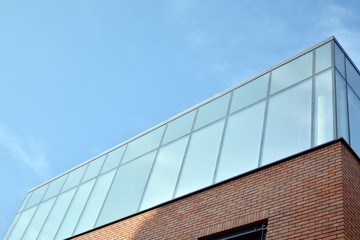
[[351, 180], [311, 196]]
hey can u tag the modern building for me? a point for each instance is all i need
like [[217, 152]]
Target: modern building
[[275, 157]]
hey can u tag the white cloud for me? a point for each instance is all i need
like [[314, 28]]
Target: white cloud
[[27, 152]]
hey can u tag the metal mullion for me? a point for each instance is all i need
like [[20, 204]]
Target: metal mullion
[[267, 100], [335, 100], [151, 170], [185, 153], [120, 163], [313, 106], [222, 137]]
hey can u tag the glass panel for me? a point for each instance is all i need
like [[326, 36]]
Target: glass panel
[[288, 128], [126, 191], [38, 220], [163, 178], [212, 111], [354, 116], [342, 108], [323, 106], [199, 165], [323, 57], [143, 144], [56, 215], [94, 168], [113, 159], [37, 195], [74, 178], [54, 187], [73, 214], [95, 202], [25, 201], [241, 146], [179, 127], [291, 73], [340, 60], [249, 93], [353, 77], [11, 226], [22, 223]]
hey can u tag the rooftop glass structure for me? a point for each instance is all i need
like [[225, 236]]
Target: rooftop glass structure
[[308, 100]]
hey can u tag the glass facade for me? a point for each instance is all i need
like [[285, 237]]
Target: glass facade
[[308, 100]]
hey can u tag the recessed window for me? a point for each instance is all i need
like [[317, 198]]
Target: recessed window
[[252, 232]]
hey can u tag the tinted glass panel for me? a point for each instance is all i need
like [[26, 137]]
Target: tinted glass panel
[[179, 127], [113, 159], [288, 128], [323, 106], [127, 189], [342, 107], [212, 111], [95, 202], [199, 164], [54, 187], [241, 146], [22, 223], [74, 178], [163, 178], [353, 77], [249, 93], [291, 73], [37, 195], [25, 202], [143, 144], [339, 60], [323, 57], [72, 215], [56, 215], [94, 168], [38, 220], [354, 116]]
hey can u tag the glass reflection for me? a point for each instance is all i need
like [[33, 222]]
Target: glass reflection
[[323, 57], [352, 77], [113, 159], [339, 60], [179, 127], [323, 106], [22, 223], [354, 117], [241, 146], [342, 116], [288, 127], [74, 178], [126, 190], [54, 187], [73, 214], [93, 168], [163, 178], [38, 220], [95, 202], [200, 161], [212, 111], [249, 93], [37, 195], [291, 73], [143, 144]]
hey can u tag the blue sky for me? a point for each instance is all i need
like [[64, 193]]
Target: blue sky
[[78, 77]]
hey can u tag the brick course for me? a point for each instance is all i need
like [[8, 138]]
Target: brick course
[[314, 195]]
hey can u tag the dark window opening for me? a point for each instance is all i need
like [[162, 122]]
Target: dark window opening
[[251, 232]]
